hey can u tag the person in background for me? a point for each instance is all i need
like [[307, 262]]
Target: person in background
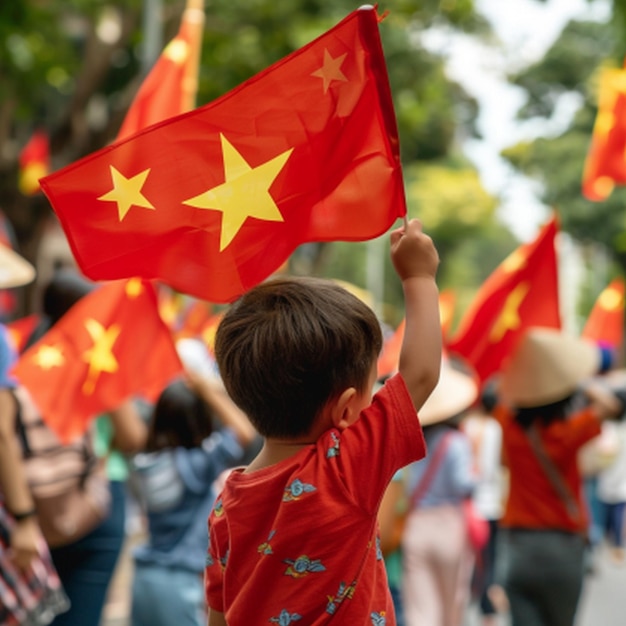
[[485, 435], [173, 480], [86, 566], [437, 558], [30, 589], [540, 555], [293, 536]]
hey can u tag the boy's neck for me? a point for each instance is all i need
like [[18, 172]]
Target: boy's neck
[[274, 451]]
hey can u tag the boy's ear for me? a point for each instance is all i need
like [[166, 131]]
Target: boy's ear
[[344, 410]]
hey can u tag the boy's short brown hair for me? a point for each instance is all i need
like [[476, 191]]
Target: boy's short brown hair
[[290, 345]]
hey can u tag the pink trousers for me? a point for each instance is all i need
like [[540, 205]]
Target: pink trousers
[[437, 567]]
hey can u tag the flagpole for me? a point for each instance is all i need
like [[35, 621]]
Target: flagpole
[[193, 15]]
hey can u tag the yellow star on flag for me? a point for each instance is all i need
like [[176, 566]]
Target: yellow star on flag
[[331, 69], [177, 51], [100, 357], [127, 192], [515, 261], [245, 192], [133, 288], [509, 317], [48, 357], [611, 300]]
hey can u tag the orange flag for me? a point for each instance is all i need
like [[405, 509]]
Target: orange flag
[[109, 346], [447, 301], [605, 165], [21, 329], [605, 324], [521, 292], [169, 88], [34, 163], [213, 201], [390, 354]]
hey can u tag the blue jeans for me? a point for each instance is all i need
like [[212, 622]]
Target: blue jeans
[[166, 596], [86, 566]]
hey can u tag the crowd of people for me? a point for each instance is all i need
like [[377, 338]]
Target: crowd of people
[[285, 490]]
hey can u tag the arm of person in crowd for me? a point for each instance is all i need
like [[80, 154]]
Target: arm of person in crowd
[[606, 403], [26, 535], [415, 259], [229, 414], [130, 430]]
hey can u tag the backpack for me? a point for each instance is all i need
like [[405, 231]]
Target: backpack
[[68, 482]]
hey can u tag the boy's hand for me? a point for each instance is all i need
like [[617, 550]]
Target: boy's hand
[[413, 253]]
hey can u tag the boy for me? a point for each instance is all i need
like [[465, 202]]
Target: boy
[[293, 537]]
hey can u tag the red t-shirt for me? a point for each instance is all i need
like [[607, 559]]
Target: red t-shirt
[[297, 542], [533, 502]]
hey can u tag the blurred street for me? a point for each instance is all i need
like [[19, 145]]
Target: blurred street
[[603, 602]]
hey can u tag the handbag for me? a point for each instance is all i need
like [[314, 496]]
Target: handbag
[[477, 526], [68, 482]]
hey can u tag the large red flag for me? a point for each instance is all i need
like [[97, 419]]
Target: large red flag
[[109, 346], [605, 164], [605, 323], [169, 88], [213, 201], [521, 292]]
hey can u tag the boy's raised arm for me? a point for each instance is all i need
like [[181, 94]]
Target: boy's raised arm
[[415, 260]]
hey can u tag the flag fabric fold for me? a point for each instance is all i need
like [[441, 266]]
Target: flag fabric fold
[[215, 200], [605, 163], [108, 347], [521, 292], [605, 324]]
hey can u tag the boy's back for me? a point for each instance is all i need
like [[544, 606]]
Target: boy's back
[[297, 540], [293, 536]]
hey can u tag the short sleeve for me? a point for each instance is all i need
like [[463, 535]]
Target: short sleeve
[[8, 357]]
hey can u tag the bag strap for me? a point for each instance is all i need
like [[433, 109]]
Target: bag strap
[[20, 427], [553, 474], [431, 470]]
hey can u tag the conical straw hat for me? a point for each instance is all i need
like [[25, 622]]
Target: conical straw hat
[[15, 271], [455, 392], [546, 367]]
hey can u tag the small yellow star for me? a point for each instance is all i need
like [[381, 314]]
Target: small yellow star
[[509, 318], [127, 192], [515, 261], [133, 288], [48, 357], [245, 192], [331, 70], [100, 357], [177, 51], [611, 300]]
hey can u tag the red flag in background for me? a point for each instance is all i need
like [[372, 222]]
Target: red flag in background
[[605, 165], [109, 346], [34, 161], [21, 329], [447, 302], [215, 200], [195, 317], [605, 324], [390, 354], [170, 87], [521, 292]]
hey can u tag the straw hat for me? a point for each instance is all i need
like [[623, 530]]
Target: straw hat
[[455, 392], [546, 367], [15, 271]]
